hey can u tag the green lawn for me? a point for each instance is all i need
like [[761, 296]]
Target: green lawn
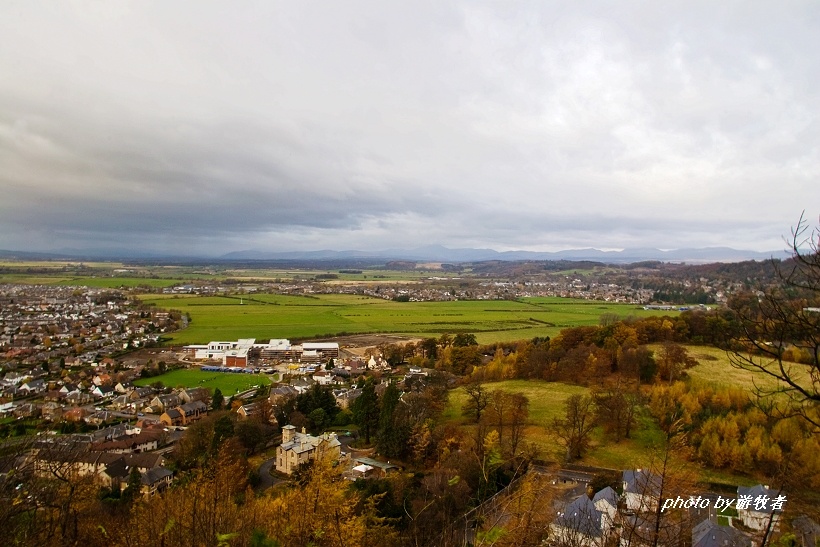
[[265, 316], [228, 383]]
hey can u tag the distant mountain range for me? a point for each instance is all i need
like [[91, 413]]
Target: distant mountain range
[[437, 253], [429, 253]]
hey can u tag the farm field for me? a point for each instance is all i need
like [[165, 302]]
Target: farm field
[[228, 383], [265, 316]]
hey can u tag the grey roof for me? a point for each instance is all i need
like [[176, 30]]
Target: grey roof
[[807, 530], [607, 494], [155, 475], [641, 481], [581, 516], [302, 442], [759, 490], [711, 534], [376, 463]]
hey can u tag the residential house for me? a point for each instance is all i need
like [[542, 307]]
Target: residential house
[[581, 523], [102, 380], [33, 387], [144, 441], [806, 530], [323, 377], [162, 403], [606, 501], [345, 397], [246, 410], [299, 448], [155, 481], [75, 414], [192, 412], [764, 505], [99, 418], [642, 489], [52, 411], [195, 394], [279, 395], [172, 417], [103, 392], [78, 398], [27, 410]]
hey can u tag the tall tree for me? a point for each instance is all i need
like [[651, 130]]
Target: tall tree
[[393, 433], [366, 410], [575, 429], [478, 397]]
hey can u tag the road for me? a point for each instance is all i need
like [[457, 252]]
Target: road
[[266, 480]]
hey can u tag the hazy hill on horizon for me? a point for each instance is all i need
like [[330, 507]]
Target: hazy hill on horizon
[[429, 253]]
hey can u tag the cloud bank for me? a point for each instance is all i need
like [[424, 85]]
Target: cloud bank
[[210, 127]]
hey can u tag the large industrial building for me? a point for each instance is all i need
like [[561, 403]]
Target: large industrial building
[[236, 354]]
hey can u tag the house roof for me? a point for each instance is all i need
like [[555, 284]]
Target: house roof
[[376, 463], [711, 534], [756, 491], [302, 442], [642, 482], [806, 529], [581, 516], [607, 495], [155, 475]]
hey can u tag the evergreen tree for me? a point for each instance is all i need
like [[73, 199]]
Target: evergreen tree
[[217, 400], [366, 410]]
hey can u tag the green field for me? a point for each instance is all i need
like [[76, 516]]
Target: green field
[[265, 316], [228, 383], [547, 402]]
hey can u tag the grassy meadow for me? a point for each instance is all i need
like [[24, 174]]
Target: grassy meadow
[[228, 383], [547, 402], [265, 316]]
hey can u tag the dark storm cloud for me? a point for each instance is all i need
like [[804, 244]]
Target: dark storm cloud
[[209, 127]]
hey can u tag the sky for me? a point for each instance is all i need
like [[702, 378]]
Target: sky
[[202, 127]]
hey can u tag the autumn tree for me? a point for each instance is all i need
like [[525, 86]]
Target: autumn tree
[[616, 407], [575, 429], [672, 360], [478, 397]]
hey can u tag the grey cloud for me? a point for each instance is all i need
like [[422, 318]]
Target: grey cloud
[[374, 125]]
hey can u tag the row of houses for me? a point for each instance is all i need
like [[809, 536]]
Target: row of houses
[[595, 520]]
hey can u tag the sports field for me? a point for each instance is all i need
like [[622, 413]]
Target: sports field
[[228, 383], [267, 316]]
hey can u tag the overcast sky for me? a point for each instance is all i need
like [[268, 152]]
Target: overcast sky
[[208, 127]]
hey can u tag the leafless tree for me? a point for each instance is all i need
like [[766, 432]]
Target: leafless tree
[[779, 332]]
